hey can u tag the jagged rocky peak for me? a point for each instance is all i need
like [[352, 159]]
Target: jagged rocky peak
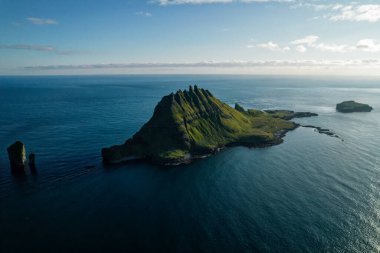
[[187, 101], [197, 92]]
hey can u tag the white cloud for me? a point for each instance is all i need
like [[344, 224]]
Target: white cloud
[[270, 46], [349, 12], [311, 42], [179, 2], [308, 40], [368, 45], [360, 67], [42, 21], [317, 7], [301, 48], [334, 48], [303, 45], [267, 1], [365, 45], [219, 64], [366, 12]]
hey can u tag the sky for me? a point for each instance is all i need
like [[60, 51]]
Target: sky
[[295, 37]]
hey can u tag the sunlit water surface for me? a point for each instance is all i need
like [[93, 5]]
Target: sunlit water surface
[[313, 193]]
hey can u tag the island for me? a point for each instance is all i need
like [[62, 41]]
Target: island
[[193, 124], [352, 106]]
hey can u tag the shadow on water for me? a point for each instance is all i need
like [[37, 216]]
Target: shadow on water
[[20, 171], [89, 167], [19, 175], [134, 164], [33, 169]]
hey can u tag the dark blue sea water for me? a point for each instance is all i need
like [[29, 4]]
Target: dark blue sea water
[[313, 193]]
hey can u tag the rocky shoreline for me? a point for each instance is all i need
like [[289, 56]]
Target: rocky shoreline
[[193, 157], [278, 140], [323, 131]]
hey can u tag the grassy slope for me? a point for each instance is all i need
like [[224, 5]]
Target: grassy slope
[[195, 122]]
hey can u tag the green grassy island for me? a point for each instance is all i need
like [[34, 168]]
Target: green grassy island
[[192, 124], [352, 106]]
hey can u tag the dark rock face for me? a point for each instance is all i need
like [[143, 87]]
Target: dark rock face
[[239, 108], [17, 155], [32, 163], [32, 159], [352, 106]]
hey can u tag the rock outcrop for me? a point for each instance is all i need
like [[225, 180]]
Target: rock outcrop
[[352, 106], [32, 163], [288, 115], [17, 155], [323, 131]]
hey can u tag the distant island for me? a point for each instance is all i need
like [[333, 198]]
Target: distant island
[[352, 106], [192, 124]]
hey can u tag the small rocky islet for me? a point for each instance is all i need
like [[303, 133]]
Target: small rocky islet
[[17, 155], [352, 106], [17, 158], [193, 123]]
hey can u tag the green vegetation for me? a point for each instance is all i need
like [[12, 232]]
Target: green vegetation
[[193, 123], [352, 106], [288, 115]]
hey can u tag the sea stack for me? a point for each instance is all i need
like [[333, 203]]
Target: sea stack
[[17, 156], [32, 162]]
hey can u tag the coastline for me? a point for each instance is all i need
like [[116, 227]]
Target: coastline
[[193, 157]]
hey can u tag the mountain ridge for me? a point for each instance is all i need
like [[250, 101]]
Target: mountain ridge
[[193, 123]]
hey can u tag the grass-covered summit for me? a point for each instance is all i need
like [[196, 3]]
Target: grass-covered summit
[[193, 123]]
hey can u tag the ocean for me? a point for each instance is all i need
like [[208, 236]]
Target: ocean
[[313, 193]]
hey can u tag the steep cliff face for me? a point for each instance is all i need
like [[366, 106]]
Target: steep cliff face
[[194, 123], [17, 155]]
